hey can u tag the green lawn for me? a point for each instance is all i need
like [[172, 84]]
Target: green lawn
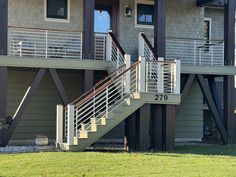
[[207, 161]]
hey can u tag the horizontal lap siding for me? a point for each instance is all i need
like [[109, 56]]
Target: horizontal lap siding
[[40, 115], [189, 120]]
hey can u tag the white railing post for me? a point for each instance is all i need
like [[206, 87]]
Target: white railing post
[[70, 124], [223, 54], [160, 75], [107, 102], [127, 75], [141, 45], [195, 51], [142, 72], [108, 47], [46, 44], [81, 46], [212, 55], [59, 129], [177, 76]]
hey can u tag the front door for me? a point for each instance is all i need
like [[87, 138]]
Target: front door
[[105, 16]]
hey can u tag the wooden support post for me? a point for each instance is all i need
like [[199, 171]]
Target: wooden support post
[[169, 115], [59, 128], [88, 37], [229, 107], [59, 86], [144, 125], [229, 52], [3, 71], [88, 80], [3, 95], [156, 126], [212, 106], [3, 26], [160, 28], [229, 32], [3, 106], [24, 102], [130, 132]]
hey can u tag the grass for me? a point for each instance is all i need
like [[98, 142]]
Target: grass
[[209, 161]]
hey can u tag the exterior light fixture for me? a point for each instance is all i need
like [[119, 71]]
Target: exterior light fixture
[[128, 11]]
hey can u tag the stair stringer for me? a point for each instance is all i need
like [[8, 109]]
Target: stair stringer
[[115, 117]]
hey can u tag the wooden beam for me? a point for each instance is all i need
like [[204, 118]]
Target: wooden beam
[[144, 124], [3, 95], [216, 95], [186, 89], [229, 107], [3, 106], [130, 133], [229, 32], [169, 117], [160, 28], [59, 86], [156, 124], [88, 36], [211, 104], [3, 26], [88, 80], [25, 102], [202, 3]]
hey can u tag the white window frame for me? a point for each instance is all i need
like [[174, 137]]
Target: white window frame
[[136, 14], [210, 24], [57, 19]]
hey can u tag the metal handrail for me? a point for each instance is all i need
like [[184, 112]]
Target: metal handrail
[[106, 82], [116, 43], [42, 29]]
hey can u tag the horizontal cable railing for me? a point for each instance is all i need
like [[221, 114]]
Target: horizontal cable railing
[[194, 51], [45, 43], [100, 46], [100, 101], [163, 77], [144, 76], [114, 51]]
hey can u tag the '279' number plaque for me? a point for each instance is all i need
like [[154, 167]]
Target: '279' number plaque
[[159, 97]]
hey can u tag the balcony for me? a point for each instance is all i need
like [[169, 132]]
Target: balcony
[[194, 52], [50, 43]]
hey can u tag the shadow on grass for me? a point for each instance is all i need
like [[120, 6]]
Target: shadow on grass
[[209, 150]]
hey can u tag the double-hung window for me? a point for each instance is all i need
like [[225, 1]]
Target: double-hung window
[[57, 9], [145, 14]]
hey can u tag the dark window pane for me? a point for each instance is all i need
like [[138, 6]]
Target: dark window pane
[[145, 14], [57, 9]]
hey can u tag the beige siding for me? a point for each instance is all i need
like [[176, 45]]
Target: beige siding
[[189, 120]]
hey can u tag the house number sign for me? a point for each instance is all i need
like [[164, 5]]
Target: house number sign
[[159, 97]]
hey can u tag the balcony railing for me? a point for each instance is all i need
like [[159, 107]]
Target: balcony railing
[[50, 43], [195, 51], [45, 43]]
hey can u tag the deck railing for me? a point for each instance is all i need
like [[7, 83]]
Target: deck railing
[[100, 40], [194, 51], [96, 106], [45, 43], [51, 43]]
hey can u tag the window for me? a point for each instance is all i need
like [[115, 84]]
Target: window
[[207, 33], [145, 14], [57, 9]]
